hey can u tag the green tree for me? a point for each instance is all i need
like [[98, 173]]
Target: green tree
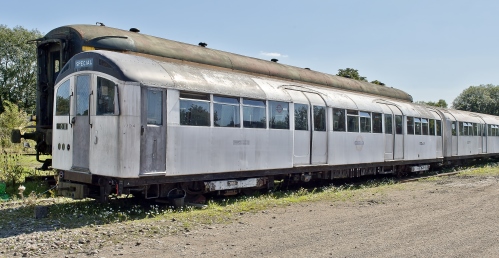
[[351, 73], [440, 103], [11, 118], [378, 83], [480, 99], [18, 66]]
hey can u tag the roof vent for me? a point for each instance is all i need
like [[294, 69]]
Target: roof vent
[[307, 68], [274, 60], [203, 44], [134, 30], [100, 24]]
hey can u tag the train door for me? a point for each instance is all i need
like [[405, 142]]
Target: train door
[[394, 141], [302, 132], [81, 123], [482, 133], [310, 135], [153, 131], [318, 126]]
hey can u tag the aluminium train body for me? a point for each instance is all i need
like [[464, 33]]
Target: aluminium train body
[[125, 123], [56, 48]]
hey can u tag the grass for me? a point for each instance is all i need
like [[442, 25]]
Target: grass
[[67, 213]]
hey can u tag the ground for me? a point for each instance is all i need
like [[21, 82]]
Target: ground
[[451, 217]]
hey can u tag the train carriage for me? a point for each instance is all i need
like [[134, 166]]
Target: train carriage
[[132, 113], [128, 123]]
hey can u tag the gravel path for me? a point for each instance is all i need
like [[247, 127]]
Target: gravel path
[[452, 217]]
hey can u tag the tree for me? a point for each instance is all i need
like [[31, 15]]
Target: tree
[[378, 83], [18, 66], [440, 103], [479, 99], [351, 73]]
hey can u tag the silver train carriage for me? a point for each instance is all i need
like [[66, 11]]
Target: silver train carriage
[[129, 124]]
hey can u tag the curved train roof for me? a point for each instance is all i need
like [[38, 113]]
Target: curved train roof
[[152, 72], [101, 37]]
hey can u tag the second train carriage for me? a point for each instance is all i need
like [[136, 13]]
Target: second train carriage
[[126, 123]]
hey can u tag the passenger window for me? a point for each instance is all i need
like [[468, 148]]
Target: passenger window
[[279, 115], [106, 97], [388, 124], [301, 117], [432, 127], [453, 128], [424, 126], [417, 126], [353, 121], [398, 124], [410, 125], [154, 107], [194, 109], [476, 129], [365, 122], [62, 100], [377, 123], [439, 127], [254, 113], [489, 132], [319, 118], [226, 112], [338, 120]]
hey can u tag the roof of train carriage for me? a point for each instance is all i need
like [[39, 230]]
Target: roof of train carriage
[[101, 37]]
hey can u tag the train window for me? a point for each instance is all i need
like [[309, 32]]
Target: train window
[[82, 95], [489, 132], [301, 117], [194, 109], [388, 124], [226, 112], [279, 115], [365, 122], [410, 125], [338, 120], [377, 123], [154, 107], [352, 121], [319, 118], [432, 127], [106, 97], [424, 126], [254, 113], [461, 128], [454, 128], [439, 127], [476, 129], [62, 100], [398, 124], [417, 126]]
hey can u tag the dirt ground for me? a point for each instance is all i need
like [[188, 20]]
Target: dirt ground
[[451, 217]]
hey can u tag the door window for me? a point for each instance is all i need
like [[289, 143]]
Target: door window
[[82, 95], [301, 117], [319, 118], [154, 107], [388, 124]]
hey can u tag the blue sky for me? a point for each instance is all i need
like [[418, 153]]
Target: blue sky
[[430, 49]]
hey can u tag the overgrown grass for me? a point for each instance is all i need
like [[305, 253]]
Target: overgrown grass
[[490, 169]]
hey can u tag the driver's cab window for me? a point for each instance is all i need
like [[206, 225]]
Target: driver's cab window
[[62, 100], [107, 97]]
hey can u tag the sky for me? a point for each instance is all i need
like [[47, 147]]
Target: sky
[[430, 49]]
